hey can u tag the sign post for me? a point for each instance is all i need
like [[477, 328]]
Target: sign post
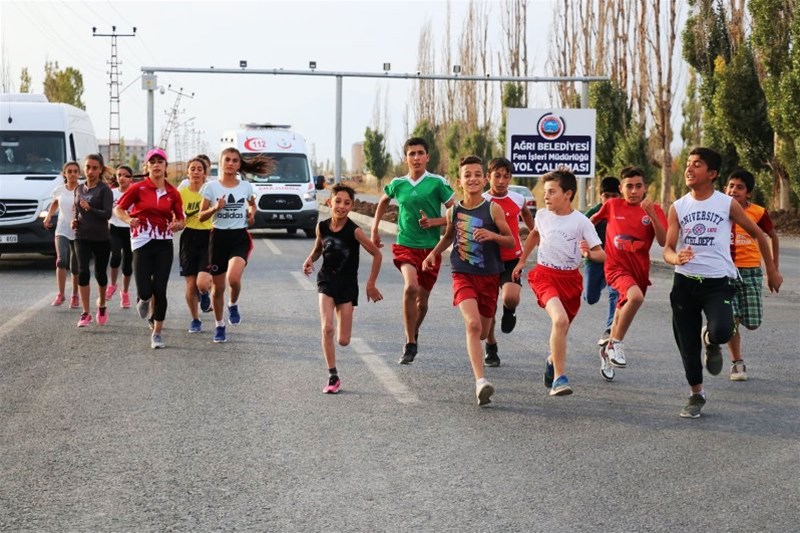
[[539, 141]]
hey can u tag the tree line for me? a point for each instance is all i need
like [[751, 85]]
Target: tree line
[[736, 62]]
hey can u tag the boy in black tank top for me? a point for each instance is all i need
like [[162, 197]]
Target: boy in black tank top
[[338, 241]]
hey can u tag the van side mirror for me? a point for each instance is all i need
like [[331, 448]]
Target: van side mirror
[[319, 182]]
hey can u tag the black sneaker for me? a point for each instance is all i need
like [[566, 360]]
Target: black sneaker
[[549, 374], [491, 358], [508, 321], [713, 355], [409, 353], [693, 407]]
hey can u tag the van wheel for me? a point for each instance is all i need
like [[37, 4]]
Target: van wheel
[[310, 233], [291, 231]]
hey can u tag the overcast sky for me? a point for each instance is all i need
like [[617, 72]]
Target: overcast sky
[[338, 35]]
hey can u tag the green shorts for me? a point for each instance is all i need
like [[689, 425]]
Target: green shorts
[[747, 305]]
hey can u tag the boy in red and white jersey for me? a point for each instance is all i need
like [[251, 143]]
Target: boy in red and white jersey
[[513, 205]]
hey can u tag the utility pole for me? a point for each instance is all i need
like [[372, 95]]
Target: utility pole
[[172, 121], [114, 152]]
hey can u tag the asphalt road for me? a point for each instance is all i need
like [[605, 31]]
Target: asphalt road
[[101, 433]]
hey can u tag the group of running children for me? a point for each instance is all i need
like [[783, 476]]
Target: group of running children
[[132, 224], [716, 241]]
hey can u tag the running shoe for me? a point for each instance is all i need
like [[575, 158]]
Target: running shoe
[[409, 353], [124, 300], [85, 320], [233, 315], [195, 326], [693, 406], [102, 315], [738, 371], [561, 387], [333, 385], [603, 340], [491, 358], [616, 354], [606, 368], [59, 300], [74, 302], [110, 290], [508, 321], [484, 393], [205, 301], [143, 308], [549, 374], [713, 354], [156, 341], [219, 334]]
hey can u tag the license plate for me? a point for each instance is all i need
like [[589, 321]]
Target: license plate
[[8, 239], [281, 216]]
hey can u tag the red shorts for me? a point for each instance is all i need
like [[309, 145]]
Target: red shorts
[[480, 287], [622, 281], [415, 257], [566, 285]]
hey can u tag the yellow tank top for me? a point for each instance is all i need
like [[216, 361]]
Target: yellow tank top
[[191, 208]]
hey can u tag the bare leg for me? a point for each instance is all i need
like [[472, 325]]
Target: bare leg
[[191, 296], [558, 335], [411, 293], [623, 317], [61, 279], [473, 326], [235, 271], [218, 295], [344, 323], [326, 314]]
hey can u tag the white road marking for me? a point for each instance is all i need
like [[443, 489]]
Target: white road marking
[[272, 247], [382, 371], [303, 280], [12, 324]]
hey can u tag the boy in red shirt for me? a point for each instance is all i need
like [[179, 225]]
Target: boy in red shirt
[[514, 207], [633, 222], [747, 305]]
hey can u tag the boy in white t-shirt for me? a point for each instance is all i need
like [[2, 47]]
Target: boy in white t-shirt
[[564, 237]]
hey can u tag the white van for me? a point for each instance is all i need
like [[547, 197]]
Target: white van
[[287, 199], [36, 139]]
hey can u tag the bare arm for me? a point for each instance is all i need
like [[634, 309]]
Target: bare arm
[[372, 291], [444, 242], [50, 212], [316, 251], [773, 236], [658, 227], [383, 203], [672, 257], [530, 243], [503, 237], [527, 218]]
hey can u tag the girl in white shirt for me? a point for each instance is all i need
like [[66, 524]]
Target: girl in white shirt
[[63, 201]]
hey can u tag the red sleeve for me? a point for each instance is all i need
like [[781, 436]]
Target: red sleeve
[[604, 211], [661, 216], [129, 197], [177, 204], [765, 223]]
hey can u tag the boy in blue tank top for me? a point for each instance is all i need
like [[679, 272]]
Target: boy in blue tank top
[[476, 228], [698, 244]]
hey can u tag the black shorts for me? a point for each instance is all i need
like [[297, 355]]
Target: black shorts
[[505, 275], [226, 244], [342, 291], [193, 254]]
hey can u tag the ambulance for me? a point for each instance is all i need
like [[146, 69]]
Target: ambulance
[[287, 198], [36, 139]]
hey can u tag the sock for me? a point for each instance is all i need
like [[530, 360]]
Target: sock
[[232, 303], [701, 393], [220, 323], [616, 341], [479, 382], [508, 310], [332, 371]]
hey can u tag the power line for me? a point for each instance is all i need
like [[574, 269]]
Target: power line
[[114, 148]]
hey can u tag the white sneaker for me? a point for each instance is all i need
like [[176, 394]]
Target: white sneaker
[[616, 354], [738, 371], [484, 393], [606, 369]]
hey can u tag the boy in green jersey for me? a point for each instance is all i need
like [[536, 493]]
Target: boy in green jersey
[[419, 196]]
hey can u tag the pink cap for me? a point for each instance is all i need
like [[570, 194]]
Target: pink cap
[[156, 151]]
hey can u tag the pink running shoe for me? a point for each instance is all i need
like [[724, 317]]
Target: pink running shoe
[[102, 315], [74, 302], [125, 300], [59, 300], [85, 320], [110, 290], [333, 385]]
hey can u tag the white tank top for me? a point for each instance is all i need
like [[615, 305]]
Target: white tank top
[[706, 227]]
